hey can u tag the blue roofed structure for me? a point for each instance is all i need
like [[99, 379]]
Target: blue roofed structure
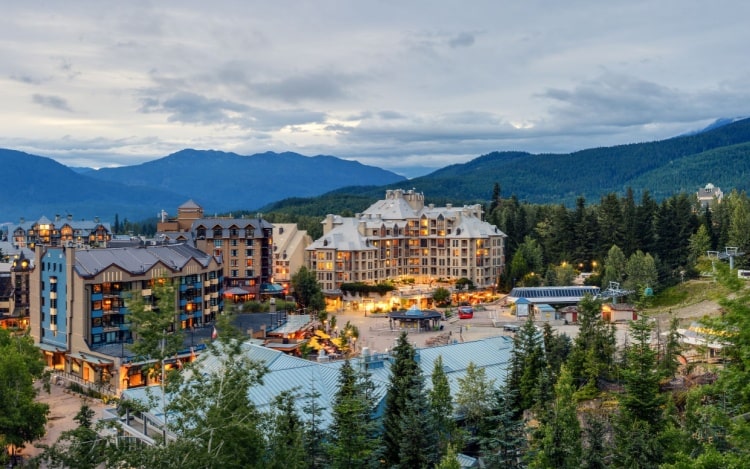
[[287, 373], [552, 295]]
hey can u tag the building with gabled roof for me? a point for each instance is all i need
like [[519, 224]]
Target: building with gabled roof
[[60, 232], [709, 196], [399, 236], [288, 373], [78, 312], [244, 244], [289, 244]]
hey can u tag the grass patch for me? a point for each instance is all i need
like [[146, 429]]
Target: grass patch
[[688, 293]]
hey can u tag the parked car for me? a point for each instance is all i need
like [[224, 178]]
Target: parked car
[[465, 312]]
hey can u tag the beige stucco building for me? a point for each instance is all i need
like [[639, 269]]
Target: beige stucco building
[[401, 237]]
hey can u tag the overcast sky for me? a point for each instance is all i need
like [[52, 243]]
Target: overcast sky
[[408, 86]]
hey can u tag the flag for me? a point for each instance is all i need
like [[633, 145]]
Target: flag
[[192, 354], [214, 334]]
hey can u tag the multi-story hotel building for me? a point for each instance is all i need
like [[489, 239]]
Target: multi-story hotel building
[[79, 317], [400, 236], [244, 244], [60, 232], [289, 245]]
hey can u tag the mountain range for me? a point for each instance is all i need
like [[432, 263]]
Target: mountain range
[[224, 182], [220, 182]]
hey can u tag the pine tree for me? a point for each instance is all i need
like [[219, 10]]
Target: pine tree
[[474, 399], [640, 419], [592, 356], [403, 373], [595, 451], [284, 434], [419, 439], [314, 434], [525, 367], [560, 444], [441, 405], [449, 460], [504, 443], [351, 434]]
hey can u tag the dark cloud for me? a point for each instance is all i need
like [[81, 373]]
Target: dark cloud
[[621, 100], [191, 108], [29, 80], [52, 102], [316, 86], [461, 40]]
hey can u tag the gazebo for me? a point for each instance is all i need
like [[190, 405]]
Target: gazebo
[[415, 318]]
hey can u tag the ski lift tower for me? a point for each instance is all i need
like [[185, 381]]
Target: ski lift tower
[[614, 291], [730, 252]]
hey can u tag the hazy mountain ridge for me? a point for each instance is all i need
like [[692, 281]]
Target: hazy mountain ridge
[[224, 182], [219, 181]]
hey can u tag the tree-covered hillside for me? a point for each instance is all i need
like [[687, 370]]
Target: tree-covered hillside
[[682, 164]]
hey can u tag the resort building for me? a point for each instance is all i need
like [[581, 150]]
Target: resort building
[[245, 246], [60, 232], [79, 317], [289, 244], [709, 196], [401, 237]]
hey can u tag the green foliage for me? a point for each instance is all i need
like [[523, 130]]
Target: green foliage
[[503, 442], [441, 296], [526, 366], [595, 449], [441, 406], [155, 325], [307, 290], [22, 419], [364, 288], [449, 460], [80, 448], [409, 435], [474, 398], [284, 434], [593, 351], [215, 423], [560, 443], [352, 433], [464, 283]]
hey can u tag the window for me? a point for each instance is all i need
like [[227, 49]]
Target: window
[[234, 273], [218, 243], [248, 253], [249, 273], [233, 253], [248, 242]]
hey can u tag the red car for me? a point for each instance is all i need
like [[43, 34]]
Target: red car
[[465, 312]]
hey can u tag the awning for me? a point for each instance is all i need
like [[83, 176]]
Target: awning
[[271, 288], [90, 358], [236, 291], [50, 348]]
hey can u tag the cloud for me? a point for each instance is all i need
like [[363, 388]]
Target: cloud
[[29, 80], [622, 100], [461, 40], [191, 108], [52, 102], [316, 86]]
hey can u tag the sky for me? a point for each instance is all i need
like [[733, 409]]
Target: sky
[[408, 86]]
